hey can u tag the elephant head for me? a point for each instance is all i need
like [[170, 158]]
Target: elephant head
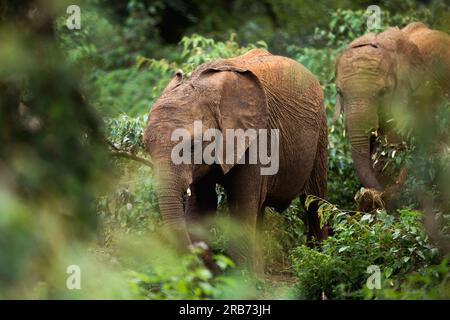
[[222, 97], [376, 76]]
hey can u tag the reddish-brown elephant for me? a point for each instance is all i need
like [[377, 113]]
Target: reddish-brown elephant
[[257, 90], [387, 80]]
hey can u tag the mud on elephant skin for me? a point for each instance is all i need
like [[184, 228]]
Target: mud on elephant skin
[[385, 81], [257, 90]]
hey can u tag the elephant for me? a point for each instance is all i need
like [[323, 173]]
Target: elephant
[[382, 78], [256, 90]]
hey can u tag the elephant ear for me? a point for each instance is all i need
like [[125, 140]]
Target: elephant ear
[[337, 109], [174, 82], [338, 105], [242, 105], [407, 70], [410, 64], [405, 55]]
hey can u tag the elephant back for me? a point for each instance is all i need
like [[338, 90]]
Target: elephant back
[[290, 88]]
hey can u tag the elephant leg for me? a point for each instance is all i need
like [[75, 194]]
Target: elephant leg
[[245, 199], [317, 186], [312, 221]]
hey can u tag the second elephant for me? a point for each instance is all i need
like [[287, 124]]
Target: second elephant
[[388, 80]]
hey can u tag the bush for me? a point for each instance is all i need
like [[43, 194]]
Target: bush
[[282, 232], [431, 282], [188, 279], [395, 243]]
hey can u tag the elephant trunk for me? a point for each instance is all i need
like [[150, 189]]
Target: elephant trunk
[[170, 196], [359, 123]]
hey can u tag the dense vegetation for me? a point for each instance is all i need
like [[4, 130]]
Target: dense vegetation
[[76, 187]]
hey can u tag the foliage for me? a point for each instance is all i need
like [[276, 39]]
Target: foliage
[[130, 91], [431, 282], [189, 279], [282, 233], [395, 243], [52, 159], [198, 49], [126, 132], [132, 207], [427, 156], [101, 43], [346, 25]]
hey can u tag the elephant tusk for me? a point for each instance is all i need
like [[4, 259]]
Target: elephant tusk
[[188, 191]]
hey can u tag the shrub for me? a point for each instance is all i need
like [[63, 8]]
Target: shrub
[[189, 279], [396, 243], [432, 282]]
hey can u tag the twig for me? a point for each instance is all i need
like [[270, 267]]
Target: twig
[[128, 155], [131, 156]]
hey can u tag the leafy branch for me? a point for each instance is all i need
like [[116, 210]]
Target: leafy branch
[[117, 152]]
